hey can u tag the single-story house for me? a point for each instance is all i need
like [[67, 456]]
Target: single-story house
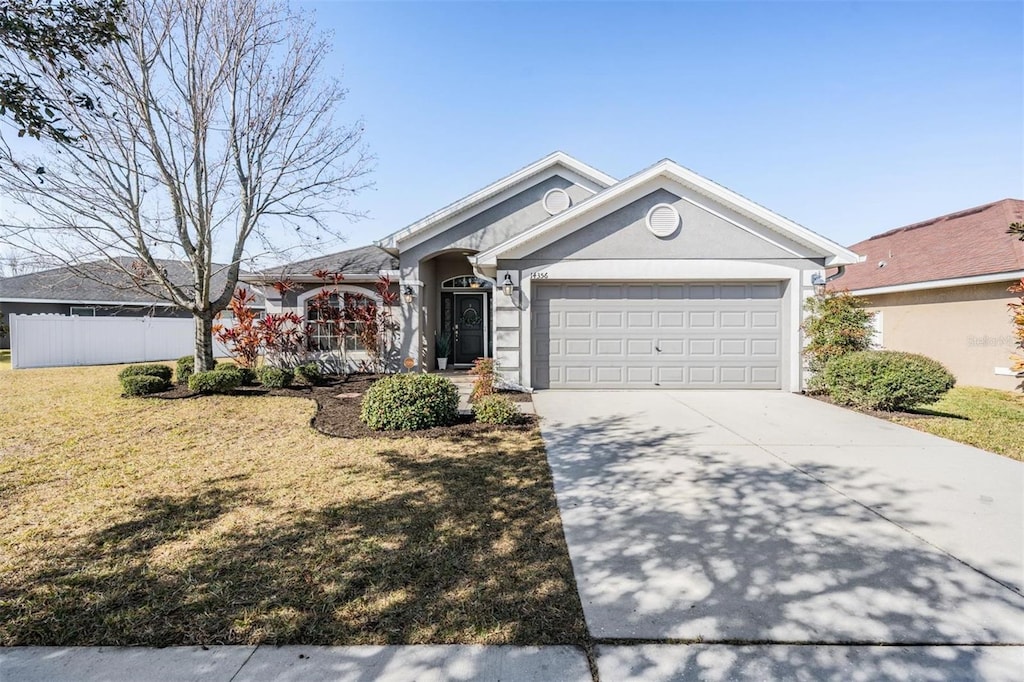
[[940, 288], [96, 289], [570, 278]]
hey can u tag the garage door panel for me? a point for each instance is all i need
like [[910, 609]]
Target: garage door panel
[[579, 347], [675, 335]]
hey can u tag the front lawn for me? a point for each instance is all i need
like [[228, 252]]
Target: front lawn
[[983, 417], [5, 359], [228, 519]]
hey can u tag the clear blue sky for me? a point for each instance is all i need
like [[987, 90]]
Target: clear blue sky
[[850, 118]]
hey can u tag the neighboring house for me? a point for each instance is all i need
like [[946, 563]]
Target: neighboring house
[[940, 289], [106, 291], [572, 279]]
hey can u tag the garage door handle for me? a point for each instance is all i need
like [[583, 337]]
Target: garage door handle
[[657, 349]]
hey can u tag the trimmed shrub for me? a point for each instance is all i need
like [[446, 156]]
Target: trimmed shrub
[[409, 402], [886, 380], [496, 409], [233, 370], [161, 371], [275, 377], [143, 384], [185, 367], [309, 373], [214, 381]]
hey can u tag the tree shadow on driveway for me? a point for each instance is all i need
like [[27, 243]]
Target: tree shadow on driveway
[[672, 540]]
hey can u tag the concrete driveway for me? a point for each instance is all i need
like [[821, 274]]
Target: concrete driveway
[[770, 518]]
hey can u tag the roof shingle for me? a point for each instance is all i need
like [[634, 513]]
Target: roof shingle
[[963, 244]]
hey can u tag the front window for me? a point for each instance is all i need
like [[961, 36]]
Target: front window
[[327, 319]]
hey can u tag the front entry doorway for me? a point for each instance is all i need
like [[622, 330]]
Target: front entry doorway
[[469, 326]]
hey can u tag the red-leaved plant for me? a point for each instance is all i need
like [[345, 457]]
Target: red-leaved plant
[[244, 339]]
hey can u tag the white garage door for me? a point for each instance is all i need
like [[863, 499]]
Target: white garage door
[[695, 335]]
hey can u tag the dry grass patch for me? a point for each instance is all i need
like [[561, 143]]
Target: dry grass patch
[[229, 520]]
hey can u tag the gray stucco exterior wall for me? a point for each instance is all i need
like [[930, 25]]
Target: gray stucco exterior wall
[[702, 234]]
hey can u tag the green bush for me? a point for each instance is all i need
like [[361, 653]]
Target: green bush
[[234, 370], [837, 324], [309, 373], [885, 380], [409, 402], [214, 381], [496, 409], [161, 371], [186, 366], [275, 377], [143, 384]]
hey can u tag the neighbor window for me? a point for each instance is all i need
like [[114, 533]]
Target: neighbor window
[[83, 312]]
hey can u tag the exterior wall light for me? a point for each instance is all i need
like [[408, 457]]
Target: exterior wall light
[[408, 294], [506, 286], [820, 284]]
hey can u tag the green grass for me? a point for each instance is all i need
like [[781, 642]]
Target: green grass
[[228, 520], [5, 360], [986, 418]]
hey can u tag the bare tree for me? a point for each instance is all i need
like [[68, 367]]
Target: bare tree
[[217, 138]]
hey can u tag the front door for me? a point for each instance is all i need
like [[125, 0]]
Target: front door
[[469, 326]]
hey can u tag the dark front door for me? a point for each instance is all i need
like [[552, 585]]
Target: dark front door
[[469, 326]]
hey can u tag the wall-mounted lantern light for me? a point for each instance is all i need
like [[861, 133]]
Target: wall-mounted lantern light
[[506, 286], [820, 284], [408, 294]]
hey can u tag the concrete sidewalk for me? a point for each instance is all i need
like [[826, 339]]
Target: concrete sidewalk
[[425, 663]]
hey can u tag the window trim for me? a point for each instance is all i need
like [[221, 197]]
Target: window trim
[[303, 299], [73, 308]]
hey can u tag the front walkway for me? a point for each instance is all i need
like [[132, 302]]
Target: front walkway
[[293, 664], [766, 518]]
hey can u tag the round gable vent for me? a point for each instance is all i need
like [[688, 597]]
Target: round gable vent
[[556, 200], [663, 220]]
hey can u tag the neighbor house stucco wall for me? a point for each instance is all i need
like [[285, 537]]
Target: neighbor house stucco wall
[[966, 328]]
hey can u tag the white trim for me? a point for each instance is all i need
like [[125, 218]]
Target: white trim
[[937, 283], [1007, 372], [301, 299], [72, 308], [668, 270], [835, 253], [594, 177]]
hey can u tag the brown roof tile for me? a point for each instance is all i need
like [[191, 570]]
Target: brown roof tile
[[963, 244]]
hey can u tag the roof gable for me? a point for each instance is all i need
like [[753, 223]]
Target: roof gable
[[557, 163], [651, 178], [969, 243]]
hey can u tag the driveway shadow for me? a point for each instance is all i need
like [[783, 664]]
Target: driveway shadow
[[674, 540]]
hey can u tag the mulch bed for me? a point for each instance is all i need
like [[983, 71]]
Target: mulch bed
[[338, 402]]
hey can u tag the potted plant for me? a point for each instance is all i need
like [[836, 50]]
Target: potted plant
[[442, 346]]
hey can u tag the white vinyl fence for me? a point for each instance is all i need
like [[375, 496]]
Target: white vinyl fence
[[62, 341]]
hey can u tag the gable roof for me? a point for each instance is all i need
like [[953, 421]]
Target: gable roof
[[835, 254], [969, 243], [105, 283], [558, 158], [366, 261]]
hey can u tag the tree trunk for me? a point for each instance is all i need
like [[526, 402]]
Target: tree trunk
[[204, 343]]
